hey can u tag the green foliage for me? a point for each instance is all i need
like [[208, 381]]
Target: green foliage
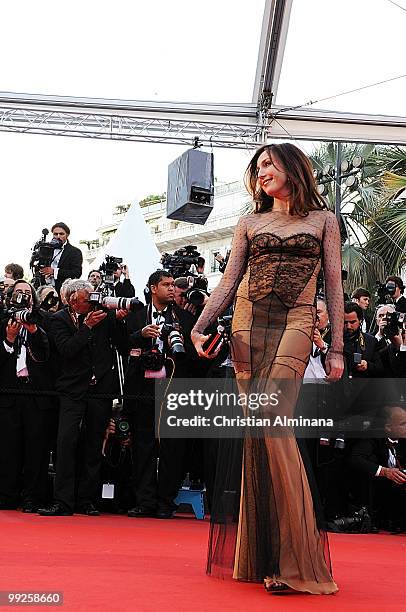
[[153, 199], [374, 214]]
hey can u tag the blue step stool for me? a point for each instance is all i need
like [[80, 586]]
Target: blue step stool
[[194, 498]]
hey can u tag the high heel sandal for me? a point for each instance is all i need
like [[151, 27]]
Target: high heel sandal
[[277, 588]]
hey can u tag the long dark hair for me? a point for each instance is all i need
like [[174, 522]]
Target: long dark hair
[[299, 171]]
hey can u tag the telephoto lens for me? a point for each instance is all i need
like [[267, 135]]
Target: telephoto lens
[[122, 303], [175, 342], [24, 316]]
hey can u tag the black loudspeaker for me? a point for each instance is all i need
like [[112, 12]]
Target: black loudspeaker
[[190, 194]]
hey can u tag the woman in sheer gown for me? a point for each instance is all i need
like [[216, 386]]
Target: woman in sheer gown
[[277, 254]]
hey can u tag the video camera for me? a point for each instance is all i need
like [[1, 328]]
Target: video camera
[[179, 264], [181, 261], [385, 292], [107, 270], [42, 256]]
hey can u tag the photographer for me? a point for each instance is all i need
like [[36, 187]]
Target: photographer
[[66, 261], [24, 419], [110, 273], [154, 355], [379, 465], [187, 265], [396, 292], [84, 338], [391, 342], [124, 287], [182, 286], [95, 279], [363, 389], [360, 349]]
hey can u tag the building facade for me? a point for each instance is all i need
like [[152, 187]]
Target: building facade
[[230, 202]]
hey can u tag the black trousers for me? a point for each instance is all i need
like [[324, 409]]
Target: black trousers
[[24, 451], [155, 484], [172, 453], [86, 420], [141, 415]]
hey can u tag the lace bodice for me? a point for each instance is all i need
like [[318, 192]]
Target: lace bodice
[[277, 252]]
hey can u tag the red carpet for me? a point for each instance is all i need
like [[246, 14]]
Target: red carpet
[[117, 563]]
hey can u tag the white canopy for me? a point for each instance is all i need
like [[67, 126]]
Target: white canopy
[[133, 242]]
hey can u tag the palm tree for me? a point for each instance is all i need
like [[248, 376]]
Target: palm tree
[[388, 233], [358, 207]]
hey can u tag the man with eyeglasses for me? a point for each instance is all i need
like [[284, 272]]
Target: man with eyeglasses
[[24, 417]]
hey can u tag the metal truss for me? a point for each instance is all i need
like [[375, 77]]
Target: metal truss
[[217, 125], [172, 123], [274, 33], [323, 125]]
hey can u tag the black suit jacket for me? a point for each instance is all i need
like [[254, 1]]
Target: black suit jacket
[[401, 304], [394, 361], [70, 265], [138, 320], [86, 353], [370, 354], [124, 289], [37, 354], [368, 454]]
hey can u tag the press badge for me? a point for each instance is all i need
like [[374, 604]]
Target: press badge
[[108, 491]]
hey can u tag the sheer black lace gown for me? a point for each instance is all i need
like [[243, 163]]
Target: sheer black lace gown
[[272, 275]]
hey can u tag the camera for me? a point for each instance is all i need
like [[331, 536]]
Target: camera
[[108, 268], [197, 290], [356, 358], [385, 292], [179, 264], [359, 522], [49, 302], [217, 339], [395, 323], [122, 427], [152, 360], [19, 310], [170, 333], [100, 301], [42, 256], [223, 261]]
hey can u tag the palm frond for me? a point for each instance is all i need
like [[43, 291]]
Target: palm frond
[[364, 268], [387, 236], [393, 181]]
